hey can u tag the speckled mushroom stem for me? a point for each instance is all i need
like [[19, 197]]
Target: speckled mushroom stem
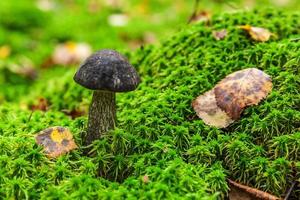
[[102, 115]]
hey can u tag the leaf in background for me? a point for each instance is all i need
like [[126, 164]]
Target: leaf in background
[[4, 51], [71, 53], [114, 3], [243, 192], [240, 89], [41, 105], [136, 42], [206, 108], [45, 5], [56, 141], [145, 179], [94, 6], [203, 16], [118, 20], [219, 35], [257, 33], [143, 7], [27, 68], [23, 67], [149, 38], [74, 113]]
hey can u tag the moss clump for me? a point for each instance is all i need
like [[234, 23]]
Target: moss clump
[[159, 133]]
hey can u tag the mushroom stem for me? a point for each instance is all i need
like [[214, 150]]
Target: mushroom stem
[[102, 115]]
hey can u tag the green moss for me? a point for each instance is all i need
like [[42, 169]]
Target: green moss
[[158, 132], [22, 16]]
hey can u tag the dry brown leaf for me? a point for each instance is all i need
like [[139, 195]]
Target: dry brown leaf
[[41, 105], [56, 141], [28, 72], [240, 89], [220, 35], [48, 62], [257, 33], [206, 108], [243, 192], [145, 179], [94, 6], [203, 16], [74, 113], [149, 38], [24, 67]]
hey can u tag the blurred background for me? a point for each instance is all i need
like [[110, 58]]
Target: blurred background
[[42, 39]]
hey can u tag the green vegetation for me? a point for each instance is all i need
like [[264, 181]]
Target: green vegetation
[[158, 134]]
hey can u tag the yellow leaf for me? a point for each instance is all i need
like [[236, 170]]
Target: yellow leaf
[[5, 51], [56, 141], [71, 46], [257, 33], [70, 53]]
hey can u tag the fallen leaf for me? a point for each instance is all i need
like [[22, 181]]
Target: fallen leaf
[[41, 105], [118, 20], [143, 7], [4, 51], [94, 6], [243, 192], [202, 16], [257, 33], [224, 103], [56, 141], [74, 113], [24, 67], [206, 108], [240, 89], [48, 62], [45, 5], [145, 179], [149, 38], [71, 53], [137, 42], [114, 3], [282, 3], [220, 35], [28, 72]]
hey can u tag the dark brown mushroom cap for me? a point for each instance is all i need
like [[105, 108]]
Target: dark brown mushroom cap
[[109, 71]]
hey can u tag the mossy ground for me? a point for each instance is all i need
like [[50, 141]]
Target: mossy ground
[[158, 132]]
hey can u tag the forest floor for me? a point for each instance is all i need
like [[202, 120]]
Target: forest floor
[[160, 148]]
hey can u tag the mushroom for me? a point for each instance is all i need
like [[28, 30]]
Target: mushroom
[[106, 72]]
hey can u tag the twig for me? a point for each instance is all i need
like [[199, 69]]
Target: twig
[[253, 191], [295, 39], [29, 118], [194, 14], [290, 191], [232, 5]]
